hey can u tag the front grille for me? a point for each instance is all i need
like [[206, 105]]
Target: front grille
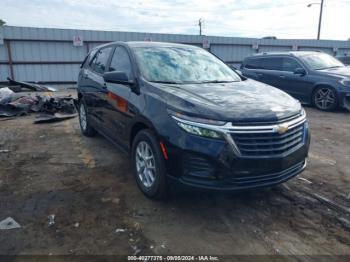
[[268, 144], [283, 120]]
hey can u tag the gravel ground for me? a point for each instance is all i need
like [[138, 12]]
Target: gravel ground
[[88, 185]]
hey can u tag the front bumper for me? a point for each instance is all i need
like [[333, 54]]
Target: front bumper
[[237, 183], [212, 164]]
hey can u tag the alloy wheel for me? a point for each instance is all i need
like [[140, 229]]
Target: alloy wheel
[[145, 164], [325, 98]]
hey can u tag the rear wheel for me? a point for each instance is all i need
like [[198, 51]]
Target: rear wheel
[[325, 98], [85, 126], [149, 167]]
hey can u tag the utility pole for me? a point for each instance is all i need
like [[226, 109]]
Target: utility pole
[[320, 18], [320, 21], [200, 23]]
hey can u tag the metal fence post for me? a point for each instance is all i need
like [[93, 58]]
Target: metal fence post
[[9, 55]]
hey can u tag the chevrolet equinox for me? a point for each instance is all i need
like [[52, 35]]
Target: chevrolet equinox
[[185, 116]]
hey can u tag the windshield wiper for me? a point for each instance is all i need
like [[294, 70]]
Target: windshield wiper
[[167, 82], [215, 81], [328, 67]]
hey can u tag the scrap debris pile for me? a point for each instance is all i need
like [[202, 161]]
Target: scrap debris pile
[[15, 100]]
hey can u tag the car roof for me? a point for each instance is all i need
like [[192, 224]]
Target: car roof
[[133, 44], [288, 53], [156, 44]]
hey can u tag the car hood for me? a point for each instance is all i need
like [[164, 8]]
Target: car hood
[[338, 71], [245, 101]]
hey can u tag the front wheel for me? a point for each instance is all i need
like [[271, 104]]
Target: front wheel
[[325, 98], [149, 167]]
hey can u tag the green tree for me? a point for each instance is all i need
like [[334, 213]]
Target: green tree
[[2, 22]]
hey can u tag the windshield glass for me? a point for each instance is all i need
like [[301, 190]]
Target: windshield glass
[[321, 61], [182, 65]]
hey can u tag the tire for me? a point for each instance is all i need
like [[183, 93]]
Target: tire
[[85, 126], [144, 146], [325, 98]]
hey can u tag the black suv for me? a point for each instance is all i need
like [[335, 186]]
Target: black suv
[[312, 77], [184, 116]]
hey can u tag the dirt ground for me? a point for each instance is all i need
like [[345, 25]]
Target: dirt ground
[[88, 185]]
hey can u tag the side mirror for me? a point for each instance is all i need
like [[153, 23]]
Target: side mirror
[[117, 77], [300, 71]]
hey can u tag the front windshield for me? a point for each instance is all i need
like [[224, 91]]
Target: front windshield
[[321, 61], [182, 65]]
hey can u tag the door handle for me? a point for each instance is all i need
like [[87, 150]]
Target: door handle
[[259, 75], [282, 76]]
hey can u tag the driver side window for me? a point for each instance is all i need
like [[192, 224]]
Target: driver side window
[[121, 62], [99, 62], [290, 64]]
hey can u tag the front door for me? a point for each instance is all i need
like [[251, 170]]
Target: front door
[[118, 97], [297, 85]]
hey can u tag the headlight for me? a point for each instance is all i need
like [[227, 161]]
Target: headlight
[[198, 126], [200, 131], [345, 82]]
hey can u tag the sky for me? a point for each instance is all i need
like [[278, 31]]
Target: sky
[[238, 18]]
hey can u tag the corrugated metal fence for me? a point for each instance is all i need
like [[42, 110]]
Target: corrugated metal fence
[[49, 55]]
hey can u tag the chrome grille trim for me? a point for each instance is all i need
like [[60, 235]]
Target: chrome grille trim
[[263, 128], [228, 130]]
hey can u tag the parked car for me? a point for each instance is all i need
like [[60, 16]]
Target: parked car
[[184, 116], [312, 77], [345, 59], [270, 37]]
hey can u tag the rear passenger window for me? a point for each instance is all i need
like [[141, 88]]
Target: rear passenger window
[[121, 61], [252, 64], [271, 63], [99, 62], [290, 64]]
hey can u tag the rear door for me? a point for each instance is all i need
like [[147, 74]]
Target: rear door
[[270, 70], [97, 97], [251, 68], [118, 97], [263, 69], [84, 83]]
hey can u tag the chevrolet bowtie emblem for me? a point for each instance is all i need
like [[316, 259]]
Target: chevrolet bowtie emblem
[[281, 129]]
